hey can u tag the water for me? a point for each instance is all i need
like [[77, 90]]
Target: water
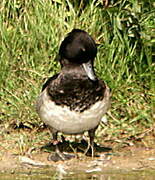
[[40, 174]]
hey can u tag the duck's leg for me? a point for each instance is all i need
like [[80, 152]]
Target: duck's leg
[[91, 137], [91, 134], [58, 156]]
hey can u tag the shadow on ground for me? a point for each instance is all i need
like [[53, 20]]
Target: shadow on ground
[[76, 147]]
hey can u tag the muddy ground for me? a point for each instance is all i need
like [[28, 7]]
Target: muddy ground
[[27, 151]]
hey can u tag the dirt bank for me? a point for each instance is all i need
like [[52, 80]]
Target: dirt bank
[[21, 150]]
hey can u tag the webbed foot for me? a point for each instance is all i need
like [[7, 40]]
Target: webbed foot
[[59, 156]]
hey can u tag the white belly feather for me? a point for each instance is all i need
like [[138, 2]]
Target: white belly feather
[[71, 122]]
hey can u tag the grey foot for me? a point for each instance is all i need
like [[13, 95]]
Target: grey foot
[[60, 157]]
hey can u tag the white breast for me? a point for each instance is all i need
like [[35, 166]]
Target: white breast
[[71, 122]]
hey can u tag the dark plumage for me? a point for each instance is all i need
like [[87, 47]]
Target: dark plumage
[[77, 93], [74, 100]]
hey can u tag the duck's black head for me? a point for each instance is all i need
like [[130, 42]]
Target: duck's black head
[[78, 47]]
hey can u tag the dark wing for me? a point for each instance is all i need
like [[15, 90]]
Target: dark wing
[[77, 94], [49, 81]]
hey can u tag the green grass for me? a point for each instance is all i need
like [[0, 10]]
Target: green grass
[[31, 32]]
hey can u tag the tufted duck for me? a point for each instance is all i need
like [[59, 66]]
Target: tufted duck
[[74, 100]]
